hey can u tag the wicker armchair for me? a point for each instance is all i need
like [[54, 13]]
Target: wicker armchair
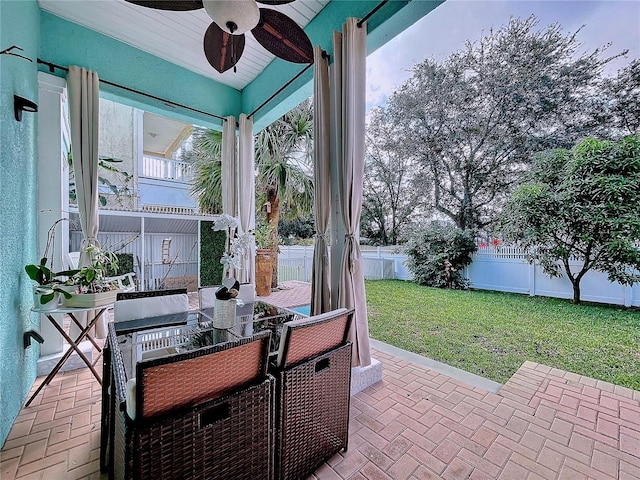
[[135, 311], [203, 414], [313, 376]]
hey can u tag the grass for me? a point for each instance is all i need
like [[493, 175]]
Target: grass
[[492, 333]]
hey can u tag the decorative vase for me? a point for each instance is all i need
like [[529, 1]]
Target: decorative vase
[[264, 269], [224, 313], [52, 304]]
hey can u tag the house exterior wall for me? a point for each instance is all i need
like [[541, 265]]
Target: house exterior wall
[[19, 25]]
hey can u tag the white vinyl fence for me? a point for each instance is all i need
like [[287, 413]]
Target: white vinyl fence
[[503, 269]]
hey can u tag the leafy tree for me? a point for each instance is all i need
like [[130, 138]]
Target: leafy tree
[[393, 198], [283, 158], [473, 120], [581, 204], [437, 255], [293, 230]]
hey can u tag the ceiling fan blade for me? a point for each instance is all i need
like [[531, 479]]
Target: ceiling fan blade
[[283, 37], [222, 49], [176, 5], [274, 2]]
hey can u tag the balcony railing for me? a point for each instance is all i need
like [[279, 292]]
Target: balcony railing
[[166, 169]]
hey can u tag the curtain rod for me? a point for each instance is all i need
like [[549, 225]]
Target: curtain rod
[[53, 66], [324, 55], [371, 13]]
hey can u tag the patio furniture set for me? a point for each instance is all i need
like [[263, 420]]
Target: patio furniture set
[[264, 397]]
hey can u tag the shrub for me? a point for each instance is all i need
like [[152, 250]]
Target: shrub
[[437, 255], [211, 249]]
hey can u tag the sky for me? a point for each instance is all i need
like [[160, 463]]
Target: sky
[[446, 28]]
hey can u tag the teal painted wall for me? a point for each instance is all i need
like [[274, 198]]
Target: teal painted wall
[[19, 25], [65, 43]]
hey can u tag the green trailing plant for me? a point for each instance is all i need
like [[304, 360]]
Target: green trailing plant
[[437, 255]]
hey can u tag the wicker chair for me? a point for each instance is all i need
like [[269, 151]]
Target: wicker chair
[[203, 414], [313, 377], [135, 311]]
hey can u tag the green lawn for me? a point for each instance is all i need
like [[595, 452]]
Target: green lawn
[[491, 333]]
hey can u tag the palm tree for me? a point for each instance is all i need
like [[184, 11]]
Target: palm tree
[[283, 153], [206, 157], [283, 160]]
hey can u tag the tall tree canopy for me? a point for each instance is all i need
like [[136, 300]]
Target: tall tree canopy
[[473, 120], [393, 196], [581, 204]]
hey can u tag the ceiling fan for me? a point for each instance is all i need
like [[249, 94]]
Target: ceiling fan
[[224, 39]]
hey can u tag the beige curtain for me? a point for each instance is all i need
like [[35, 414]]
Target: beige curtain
[[320, 292], [247, 197], [84, 107], [349, 90], [84, 103], [229, 175]]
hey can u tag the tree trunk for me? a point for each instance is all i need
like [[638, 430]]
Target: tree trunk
[[576, 292], [272, 218]]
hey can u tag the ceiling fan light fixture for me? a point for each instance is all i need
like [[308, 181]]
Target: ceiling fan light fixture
[[233, 16]]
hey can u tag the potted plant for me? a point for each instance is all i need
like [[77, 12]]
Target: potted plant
[[89, 285], [48, 289], [48, 286], [266, 241]]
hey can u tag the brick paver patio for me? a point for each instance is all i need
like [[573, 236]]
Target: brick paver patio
[[416, 424]]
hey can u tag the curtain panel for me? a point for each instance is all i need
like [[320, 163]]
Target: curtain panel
[[349, 102], [320, 292]]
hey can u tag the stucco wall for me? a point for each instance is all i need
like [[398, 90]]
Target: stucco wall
[[19, 25], [118, 139]]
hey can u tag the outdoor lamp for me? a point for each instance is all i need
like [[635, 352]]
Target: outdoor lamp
[[23, 105]]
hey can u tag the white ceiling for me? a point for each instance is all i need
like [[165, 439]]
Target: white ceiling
[[175, 36]]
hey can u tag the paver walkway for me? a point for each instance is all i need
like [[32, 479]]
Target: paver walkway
[[416, 424]]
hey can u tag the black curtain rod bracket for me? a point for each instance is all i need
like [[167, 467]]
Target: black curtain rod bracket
[[371, 13]]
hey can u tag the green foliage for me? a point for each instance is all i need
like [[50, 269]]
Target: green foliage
[[124, 262], [492, 334], [105, 164], [266, 237], [206, 156], [437, 255], [294, 230], [91, 278], [581, 205], [212, 245]]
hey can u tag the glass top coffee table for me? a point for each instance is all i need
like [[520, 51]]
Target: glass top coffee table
[[154, 337]]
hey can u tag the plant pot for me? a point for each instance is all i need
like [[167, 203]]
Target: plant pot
[[48, 306], [264, 269], [87, 300]]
